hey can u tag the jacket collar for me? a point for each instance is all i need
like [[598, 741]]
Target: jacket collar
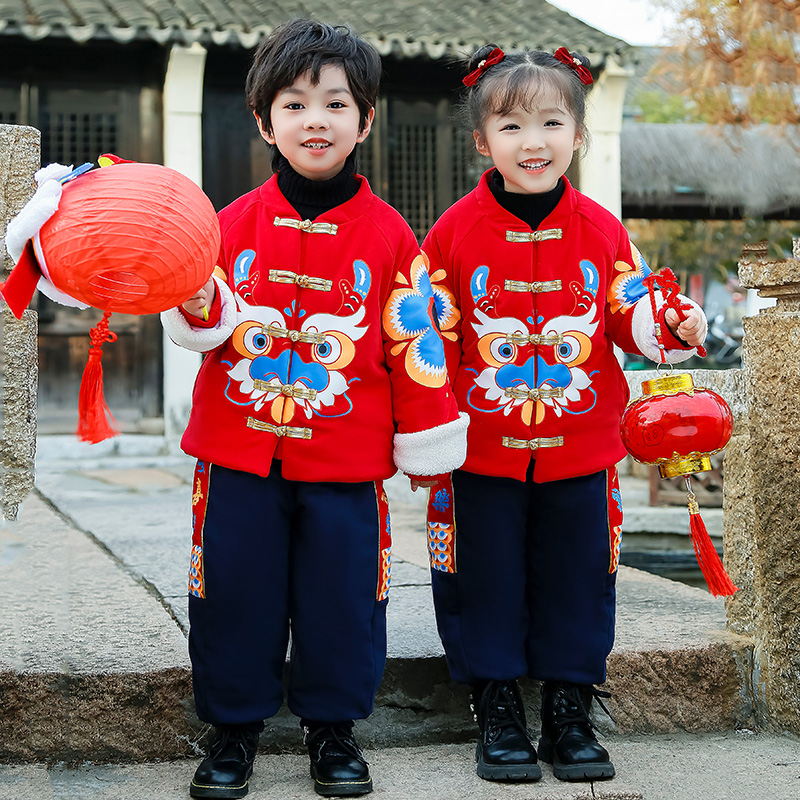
[[557, 218], [357, 206]]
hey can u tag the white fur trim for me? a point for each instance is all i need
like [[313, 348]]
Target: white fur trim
[[34, 214], [52, 172], [434, 451], [644, 331], [57, 296], [202, 340]]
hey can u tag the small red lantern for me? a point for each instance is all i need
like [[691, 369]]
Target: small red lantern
[[131, 237], [677, 427]]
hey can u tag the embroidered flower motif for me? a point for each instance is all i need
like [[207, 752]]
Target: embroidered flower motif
[[628, 287], [408, 319]]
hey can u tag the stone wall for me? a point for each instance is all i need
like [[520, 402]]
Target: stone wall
[[19, 160]]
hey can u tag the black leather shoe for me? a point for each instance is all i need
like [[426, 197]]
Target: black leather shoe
[[224, 772], [338, 766], [505, 751], [568, 741]]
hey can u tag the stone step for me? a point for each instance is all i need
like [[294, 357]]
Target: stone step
[[93, 588]]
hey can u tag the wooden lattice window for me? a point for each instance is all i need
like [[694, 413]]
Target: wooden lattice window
[[78, 126]]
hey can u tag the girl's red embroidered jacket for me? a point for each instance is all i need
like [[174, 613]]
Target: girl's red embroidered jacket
[[322, 349], [529, 319]]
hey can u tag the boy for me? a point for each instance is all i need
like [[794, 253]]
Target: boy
[[324, 373]]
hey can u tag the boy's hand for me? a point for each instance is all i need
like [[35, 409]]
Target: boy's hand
[[418, 484], [692, 330], [199, 304]]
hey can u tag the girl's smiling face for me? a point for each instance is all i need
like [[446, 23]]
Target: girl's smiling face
[[531, 148], [316, 126]]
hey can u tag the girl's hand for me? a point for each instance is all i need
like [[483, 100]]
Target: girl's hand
[[417, 484], [692, 330], [202, 301]]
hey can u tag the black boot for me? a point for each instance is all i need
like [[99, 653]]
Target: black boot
[[505, 751], [224, 772], [568, 741], [338, 766]]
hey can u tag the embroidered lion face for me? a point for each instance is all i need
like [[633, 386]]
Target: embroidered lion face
[[551, 379]]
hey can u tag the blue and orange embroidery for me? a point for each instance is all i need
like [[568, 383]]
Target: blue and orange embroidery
[[441, 527], [408, 318], [200, 483], [614, 519], [385, 546], [441, 540], [307, 378], [628, 285]]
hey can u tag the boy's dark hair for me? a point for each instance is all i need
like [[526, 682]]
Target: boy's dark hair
[[517, 80], [305, 45]]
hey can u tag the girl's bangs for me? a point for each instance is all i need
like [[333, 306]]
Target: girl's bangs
[[525, 87]]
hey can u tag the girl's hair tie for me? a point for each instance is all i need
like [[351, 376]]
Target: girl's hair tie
[[495, 57], [565, 57]]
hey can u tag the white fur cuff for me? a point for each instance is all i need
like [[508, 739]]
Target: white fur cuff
[[37, 210], [434, 451], [202, 340], [643, 330]]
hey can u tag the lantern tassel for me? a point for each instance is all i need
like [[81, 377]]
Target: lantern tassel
[[718, 580], [95, 422]]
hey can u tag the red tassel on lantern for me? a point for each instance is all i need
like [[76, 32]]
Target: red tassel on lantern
[[718, 580], [95, 421]]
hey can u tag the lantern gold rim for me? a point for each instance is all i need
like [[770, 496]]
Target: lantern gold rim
[[668, 385], [685, 465]]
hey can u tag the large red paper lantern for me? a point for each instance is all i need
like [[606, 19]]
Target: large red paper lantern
[[132, 238], [677, 427]]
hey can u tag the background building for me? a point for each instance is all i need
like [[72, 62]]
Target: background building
[[163, 82]]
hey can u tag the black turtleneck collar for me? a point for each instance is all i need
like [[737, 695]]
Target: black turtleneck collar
[[312, 198], [530, 208]]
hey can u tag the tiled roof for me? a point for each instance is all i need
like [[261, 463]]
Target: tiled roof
[[662, 161], [406, 28]]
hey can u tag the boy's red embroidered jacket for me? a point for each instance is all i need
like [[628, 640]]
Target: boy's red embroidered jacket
[[322, 349], [529, 319]]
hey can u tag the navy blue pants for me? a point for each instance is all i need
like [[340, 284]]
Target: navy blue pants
[[282, 555], [534, 588]]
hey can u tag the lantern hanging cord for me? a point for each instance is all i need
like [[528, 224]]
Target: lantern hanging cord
[[666, 281], [694, 506], [100, 334]]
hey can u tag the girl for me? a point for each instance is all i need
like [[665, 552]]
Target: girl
[[537, 284]]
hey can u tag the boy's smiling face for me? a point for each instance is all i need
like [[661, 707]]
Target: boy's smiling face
[[317, 126]]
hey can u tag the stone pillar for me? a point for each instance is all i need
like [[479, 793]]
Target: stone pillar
[[762, 486], [19, 160]]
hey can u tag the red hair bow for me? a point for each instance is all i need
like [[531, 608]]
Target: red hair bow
[[564, 56], [495, 57]]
